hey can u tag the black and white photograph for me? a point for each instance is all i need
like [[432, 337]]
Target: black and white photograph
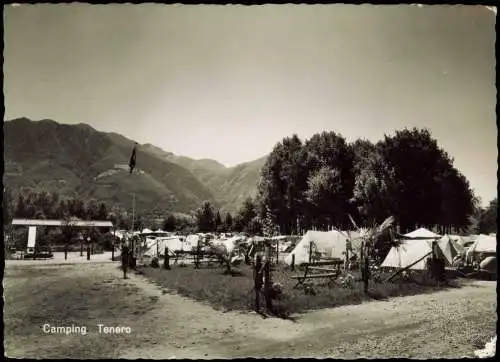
[[249, 181]]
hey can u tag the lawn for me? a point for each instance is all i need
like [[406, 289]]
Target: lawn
[[66, 295], [235, 292]]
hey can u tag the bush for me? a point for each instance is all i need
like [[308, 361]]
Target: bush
[[155, 263]]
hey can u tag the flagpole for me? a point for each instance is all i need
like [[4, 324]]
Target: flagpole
[[133, 211], [132, 166]]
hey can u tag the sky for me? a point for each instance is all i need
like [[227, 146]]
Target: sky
[[229, 82]]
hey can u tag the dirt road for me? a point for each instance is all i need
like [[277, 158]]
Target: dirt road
[[443, 324]]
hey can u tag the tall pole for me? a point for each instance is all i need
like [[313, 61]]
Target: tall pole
[[133, 211]]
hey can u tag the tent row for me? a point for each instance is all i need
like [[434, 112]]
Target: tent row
[[413, 247], [416, 251], [329, 244]]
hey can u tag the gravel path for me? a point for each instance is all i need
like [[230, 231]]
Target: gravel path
[[439, 325]]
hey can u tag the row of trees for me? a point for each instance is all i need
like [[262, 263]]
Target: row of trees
[[207, 218], [44, 205], [319, 182], [485, 220]]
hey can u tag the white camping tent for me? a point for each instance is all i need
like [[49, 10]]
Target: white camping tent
[[422, 233], [173, 243], [330, 244], [411, 251], [484, 244], [451, 243], [192, 241], [228, 244]]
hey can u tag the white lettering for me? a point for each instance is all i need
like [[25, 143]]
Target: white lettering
[[114, 330], [47, 328]]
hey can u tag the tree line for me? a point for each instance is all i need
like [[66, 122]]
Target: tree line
[[207, 218], [320, 182], [316, 183]]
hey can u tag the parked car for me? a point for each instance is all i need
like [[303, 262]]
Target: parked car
[[42, 253]]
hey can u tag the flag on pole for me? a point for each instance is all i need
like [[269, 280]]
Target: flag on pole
[[131, 164]]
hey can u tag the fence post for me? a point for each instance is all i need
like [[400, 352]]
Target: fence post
[[277, 251], [267, 280], [346, 265], [197, 255], [293, 262], [310, 251]]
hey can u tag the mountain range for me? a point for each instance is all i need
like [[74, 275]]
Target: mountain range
[[80, 161]]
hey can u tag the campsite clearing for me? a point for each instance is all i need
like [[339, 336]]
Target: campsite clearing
[[449, 323], [235, 291]]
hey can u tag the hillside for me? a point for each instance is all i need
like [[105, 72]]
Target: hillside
[[229, 185], [77, 159]]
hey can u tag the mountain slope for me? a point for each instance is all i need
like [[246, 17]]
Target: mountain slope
[[240, 182], [230, 186], [78, 160]]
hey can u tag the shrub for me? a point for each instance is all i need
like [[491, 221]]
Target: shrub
[[155, 263]]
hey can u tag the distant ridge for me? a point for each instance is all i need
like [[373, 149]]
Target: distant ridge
[[77, 159]]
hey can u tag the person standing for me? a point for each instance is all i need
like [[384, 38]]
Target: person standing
[[258, 274], [125, 260]]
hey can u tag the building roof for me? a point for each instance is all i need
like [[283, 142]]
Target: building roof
[[78, 223]]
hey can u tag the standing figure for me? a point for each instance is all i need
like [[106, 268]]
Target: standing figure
[[258, 275], [125, 260]]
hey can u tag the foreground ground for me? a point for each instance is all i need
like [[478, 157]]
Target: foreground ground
[[449, 323], [235, 291]]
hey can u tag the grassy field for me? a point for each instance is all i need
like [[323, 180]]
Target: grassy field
[[235, 292], [449, 323], [40, 295]]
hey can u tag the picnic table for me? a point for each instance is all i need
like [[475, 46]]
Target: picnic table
[[319, 270]]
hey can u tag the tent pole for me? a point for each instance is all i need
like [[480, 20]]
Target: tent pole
[[408, 267]]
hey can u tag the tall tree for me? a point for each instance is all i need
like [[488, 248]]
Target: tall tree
[[418, 163], [375, 190], [20, 210], [247, 214], [330, 174], [218, 222], [228, 222], [102, 213], [282, 183], [488, 218], [268, 225], [92, 210], [205, 217], [324, 193], [170, 223]]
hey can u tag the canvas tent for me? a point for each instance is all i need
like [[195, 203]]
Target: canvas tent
[[192, 241], [421, 233], [156, 246], [412, 250], [484, 244], [489, 264], [331, 244], [452, 243], [228, 244]]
